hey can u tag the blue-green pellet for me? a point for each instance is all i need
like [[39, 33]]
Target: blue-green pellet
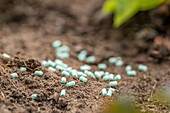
[[104, 92], [63, 49], [128, 68], [23, 69], [112, 60], [112, 89], [14, 75], [83, 79], [63, 55], [56, 44], [106, 73], [63, 92], [119, 63], [91, 59], [44, 63], [142, 68], [97, 74], [106, 77], [34, 96], [86, 72], [102, 66], [63, 80], [80, 74], [113, 83], [51, 63], [109, 93], [51, 69], [111, 76], [117, 77], [59, 67], [90, 74], [64, 65], [39, 73], [81, 57], [74, 73], [68, 69], [58, 62], [85, 67], [72, 83], [101, 72], [131, 73], [6, 55], [84, 52], [65, 73]]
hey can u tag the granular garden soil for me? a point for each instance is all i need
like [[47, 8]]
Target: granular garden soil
[[27, 31]]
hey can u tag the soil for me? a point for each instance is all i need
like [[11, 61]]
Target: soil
[[28, 29]]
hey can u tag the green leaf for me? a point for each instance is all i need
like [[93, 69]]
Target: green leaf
[[125, 9], [149, 4], [109, 7]]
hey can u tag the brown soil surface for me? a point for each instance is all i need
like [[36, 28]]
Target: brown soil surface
[[28, 30]]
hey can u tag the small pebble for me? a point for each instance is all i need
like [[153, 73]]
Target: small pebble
[[14, 75], [119, 63], [131, 73], [56, 44], [142, 68], [34, 96], [39, 73], [63, 92], [63, 80], [91, 59], [44, 63], [72, 83], [102, 66], [128, 68], [6, 55], [51, 69], [113, 60], [65, 73], [85, 67], [113, 83], [83, 79], [117, 77], [23, 69], [104, 92], [106, 77]]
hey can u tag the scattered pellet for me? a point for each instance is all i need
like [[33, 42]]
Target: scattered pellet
[[14, 75], [113, 83], [39, 73], [23, 69], [72, 83]]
